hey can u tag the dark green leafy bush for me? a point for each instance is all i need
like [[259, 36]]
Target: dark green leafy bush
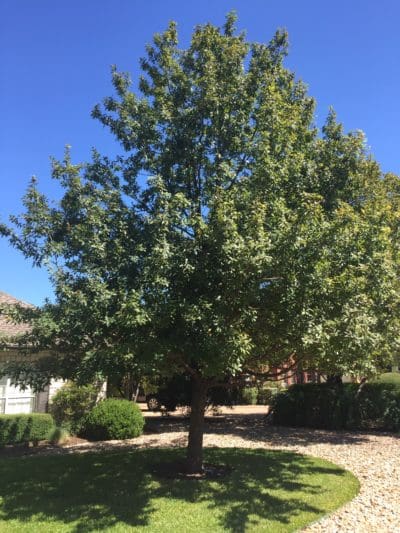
[[15, 429], [71, 404], [347, 406], [113, 419], [266, 394], [249, 395]]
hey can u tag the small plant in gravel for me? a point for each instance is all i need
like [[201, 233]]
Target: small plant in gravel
[[59, 436], [113, 419]]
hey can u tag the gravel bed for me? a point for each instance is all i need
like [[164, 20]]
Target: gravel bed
[[373, 458]]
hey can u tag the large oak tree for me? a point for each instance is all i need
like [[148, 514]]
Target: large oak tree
[[229, 236]]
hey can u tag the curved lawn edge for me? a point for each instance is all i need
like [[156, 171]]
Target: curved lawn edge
[[267, 490], [342, 505]]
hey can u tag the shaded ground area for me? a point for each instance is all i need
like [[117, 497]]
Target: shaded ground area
[[265, 490]]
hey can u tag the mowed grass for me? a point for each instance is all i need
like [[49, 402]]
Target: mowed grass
[[272, 491]]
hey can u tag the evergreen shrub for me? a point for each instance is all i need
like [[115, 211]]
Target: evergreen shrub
[[71, 404], [34, 427], [113, 419], [249, 395], [344, 406]]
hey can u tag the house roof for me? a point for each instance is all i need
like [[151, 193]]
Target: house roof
[[8, 328]]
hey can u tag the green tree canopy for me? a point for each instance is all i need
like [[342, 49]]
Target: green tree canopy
[[253, 240]]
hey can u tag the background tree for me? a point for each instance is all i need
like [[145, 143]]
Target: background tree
[[253, 240]]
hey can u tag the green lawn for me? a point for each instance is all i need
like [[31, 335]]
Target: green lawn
[[270, 491]]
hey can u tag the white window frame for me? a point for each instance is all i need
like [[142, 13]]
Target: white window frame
[[10, 395]]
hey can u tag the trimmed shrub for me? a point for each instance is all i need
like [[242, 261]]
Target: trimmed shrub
[[378, 407], [249, 395], [15, 429], [113, 419], [71, 404], [346, 406]]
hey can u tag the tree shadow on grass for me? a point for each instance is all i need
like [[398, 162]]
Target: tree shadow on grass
[[98, 491]]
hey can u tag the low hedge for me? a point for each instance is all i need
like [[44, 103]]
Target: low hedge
[[15, 429], [113, 419], [346, 406]]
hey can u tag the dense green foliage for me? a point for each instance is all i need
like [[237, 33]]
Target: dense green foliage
[[71, 404], [228, 256], [15, 429], [249, 395], [229, 236], [98, 492], [346, 406], [113, 419], [262, 395], [266, 395]]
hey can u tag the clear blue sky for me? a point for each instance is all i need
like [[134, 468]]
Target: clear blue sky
[[55, 58]]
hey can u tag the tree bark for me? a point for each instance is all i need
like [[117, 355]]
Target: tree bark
[[194, 457]]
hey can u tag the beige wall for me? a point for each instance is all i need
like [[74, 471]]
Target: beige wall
[[44, 397]]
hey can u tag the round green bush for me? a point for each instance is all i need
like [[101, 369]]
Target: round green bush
[[113, 419]]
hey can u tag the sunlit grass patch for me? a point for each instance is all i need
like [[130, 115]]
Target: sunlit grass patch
[[117, 492]]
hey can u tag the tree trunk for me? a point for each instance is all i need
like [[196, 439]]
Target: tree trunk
[[194, 457], [136, 394]]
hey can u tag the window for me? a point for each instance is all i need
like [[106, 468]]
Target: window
[[13, 400], [20, 405]]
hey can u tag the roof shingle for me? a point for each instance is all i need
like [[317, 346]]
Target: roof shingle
[[8, 328]]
